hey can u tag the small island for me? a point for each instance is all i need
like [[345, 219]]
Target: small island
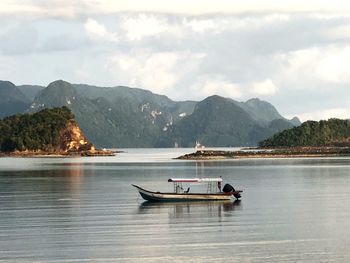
[[50, 132], [311, 139]]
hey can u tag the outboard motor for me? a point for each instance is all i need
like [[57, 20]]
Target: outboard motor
[[229, 188]]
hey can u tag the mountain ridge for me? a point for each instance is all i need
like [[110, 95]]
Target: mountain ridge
[[131, 117], [12, 100]]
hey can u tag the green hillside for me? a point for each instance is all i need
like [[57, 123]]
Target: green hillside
[[116, 116], [36, 131], [30, 91], [131, 117], [334, 132], [217, 121]]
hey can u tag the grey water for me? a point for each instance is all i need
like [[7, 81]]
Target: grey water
[[85, 210]]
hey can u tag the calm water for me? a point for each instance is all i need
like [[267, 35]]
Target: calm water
[[85, 210]]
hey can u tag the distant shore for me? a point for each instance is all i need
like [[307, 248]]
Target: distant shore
[[292, 152], [59, 154]]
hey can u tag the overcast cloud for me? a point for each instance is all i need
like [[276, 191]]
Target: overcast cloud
[[295, 55]]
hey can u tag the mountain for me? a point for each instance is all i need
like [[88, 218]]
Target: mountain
[[260, 111], [215, 121], [130, 117], [116, 116], [30, 91], [12, 100], [57, 94], [138, 99], [295, 121], [334, 132], [264, 112], [218, 121]]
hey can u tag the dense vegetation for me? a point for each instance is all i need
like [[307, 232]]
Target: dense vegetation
[[312, 133], [130, 117], [218, 121], [36, 131]]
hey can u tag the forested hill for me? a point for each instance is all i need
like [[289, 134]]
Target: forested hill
[[51, 130], [334, 132], [123, 117]]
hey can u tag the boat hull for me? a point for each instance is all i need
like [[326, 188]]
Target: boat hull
[[176, 197]]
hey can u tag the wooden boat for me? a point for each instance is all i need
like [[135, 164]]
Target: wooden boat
[[212, 193]]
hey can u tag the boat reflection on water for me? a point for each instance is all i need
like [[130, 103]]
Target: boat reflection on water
[[191, 209]]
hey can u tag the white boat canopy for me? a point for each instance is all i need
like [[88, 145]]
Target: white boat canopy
[[194, 180]]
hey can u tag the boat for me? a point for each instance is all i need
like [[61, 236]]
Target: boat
[[213, 192], [198, 146]]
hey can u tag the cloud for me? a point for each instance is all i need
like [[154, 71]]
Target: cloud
[[219, 24], [328, 64], [97, 31], [215, 85], [20, 39], [296, 60], [156, 71], [192, 7], [266, 87], [8, 7], [143, 25], [61, 43], [200, 25], [341, 113], [42, 8], [69, 9], [334, 65], [151, 71], [339, 32]]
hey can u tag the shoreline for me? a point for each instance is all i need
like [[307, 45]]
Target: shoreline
[[259, 153], [63, 154]]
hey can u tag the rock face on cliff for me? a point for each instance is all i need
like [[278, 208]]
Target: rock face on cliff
[[72, 139]]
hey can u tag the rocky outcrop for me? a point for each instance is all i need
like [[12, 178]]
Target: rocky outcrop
[[73, 141], [52, 132], [291, 152]]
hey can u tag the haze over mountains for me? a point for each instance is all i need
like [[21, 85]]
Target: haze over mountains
[[12, 100], [131, 117]]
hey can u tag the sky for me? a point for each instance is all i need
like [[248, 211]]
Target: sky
[[294, 54]]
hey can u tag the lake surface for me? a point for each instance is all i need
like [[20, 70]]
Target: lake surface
[[85, 210]]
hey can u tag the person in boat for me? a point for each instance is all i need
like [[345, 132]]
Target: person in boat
[[179, 189], [219, 185]]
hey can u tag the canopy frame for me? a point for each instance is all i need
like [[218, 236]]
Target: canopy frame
[[212, 183]]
